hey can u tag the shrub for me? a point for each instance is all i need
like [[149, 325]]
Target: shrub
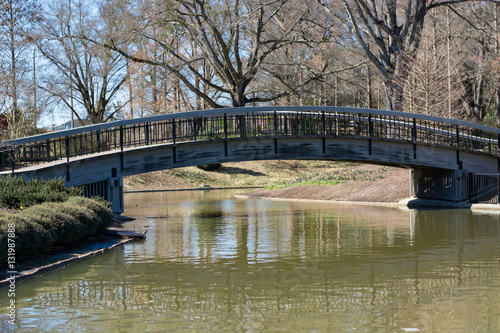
[[43, 227], [18, 192], [66, 226], [44, 216], [99, 206], [31, 237]]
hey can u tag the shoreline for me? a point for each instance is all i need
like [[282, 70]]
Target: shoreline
[[107, 239], [194, 189], [408, 203], [54, 264], [370, 203]]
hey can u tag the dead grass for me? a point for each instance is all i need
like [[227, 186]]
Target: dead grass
[[385, 184], [252, 173], [393, 186]]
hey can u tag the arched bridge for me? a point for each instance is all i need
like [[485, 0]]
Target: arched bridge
[[450, 159]]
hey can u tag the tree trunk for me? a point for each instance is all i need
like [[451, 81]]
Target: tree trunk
[[369, 101], [394, 93], [478, 98], [130, 89], [13, 72], [154, 86], [448, 59], [238, 95], [336, 93]]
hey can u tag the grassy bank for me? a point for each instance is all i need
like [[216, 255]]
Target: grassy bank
[[333, 177], [40, 217], [318, 180], [252, 173]]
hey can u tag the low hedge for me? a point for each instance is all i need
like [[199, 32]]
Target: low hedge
[[17, 192], [44, 227]]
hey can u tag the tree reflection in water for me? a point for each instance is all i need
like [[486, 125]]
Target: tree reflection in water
[[217, 263]]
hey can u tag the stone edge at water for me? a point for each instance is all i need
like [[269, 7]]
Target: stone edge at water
[[38, 271], [409, 203]]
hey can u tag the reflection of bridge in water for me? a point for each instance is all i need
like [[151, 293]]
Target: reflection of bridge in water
[[401, 265], [450, 159]]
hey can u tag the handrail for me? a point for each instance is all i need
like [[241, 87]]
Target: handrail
[[241, 111], [258, 122]]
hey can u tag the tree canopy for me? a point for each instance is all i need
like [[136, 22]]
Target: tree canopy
[[129, 58]]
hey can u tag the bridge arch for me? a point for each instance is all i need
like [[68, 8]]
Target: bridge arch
[[443, 153]]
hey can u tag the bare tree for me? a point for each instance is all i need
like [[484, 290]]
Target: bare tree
[[233, 40], [85, 71], [389, 32], [433, 86], [477, 45], [17, 19]]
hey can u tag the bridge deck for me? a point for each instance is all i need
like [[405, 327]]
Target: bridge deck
[[241, 123]]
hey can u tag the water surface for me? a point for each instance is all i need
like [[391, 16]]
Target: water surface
[[215, 263]]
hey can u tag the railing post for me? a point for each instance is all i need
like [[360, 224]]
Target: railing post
[[67, 148], [193, 128], [275, 124], [242, 126], [225, 127], [13, 159], [48, 150], [458, 137], [370, 134], [225, 135], [121, 138], [91, 144], [323, 120], [173, 130], [285, 123], [414, 131], [370, 126], [146, 133], [98, 141]]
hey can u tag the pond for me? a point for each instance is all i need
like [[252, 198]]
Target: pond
[[213, 262]]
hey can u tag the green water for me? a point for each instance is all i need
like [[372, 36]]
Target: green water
[[215, 263]]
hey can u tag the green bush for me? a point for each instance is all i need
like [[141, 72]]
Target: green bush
[[41, 228], [99, 206], [63, 225], [31, 237], [44, 216], [18, 192]]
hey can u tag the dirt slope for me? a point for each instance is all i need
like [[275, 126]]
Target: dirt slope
[[384, 184], [392, 187]]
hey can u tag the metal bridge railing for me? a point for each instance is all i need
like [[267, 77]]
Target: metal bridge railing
[[243, 123], [484, 188]]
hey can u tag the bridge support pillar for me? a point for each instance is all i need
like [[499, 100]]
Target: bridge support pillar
[[115, 194], [439, 184], [110, 189]]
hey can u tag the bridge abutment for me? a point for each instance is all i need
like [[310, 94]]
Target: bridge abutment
[[110, 189], [439, 184], [116, 194]]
